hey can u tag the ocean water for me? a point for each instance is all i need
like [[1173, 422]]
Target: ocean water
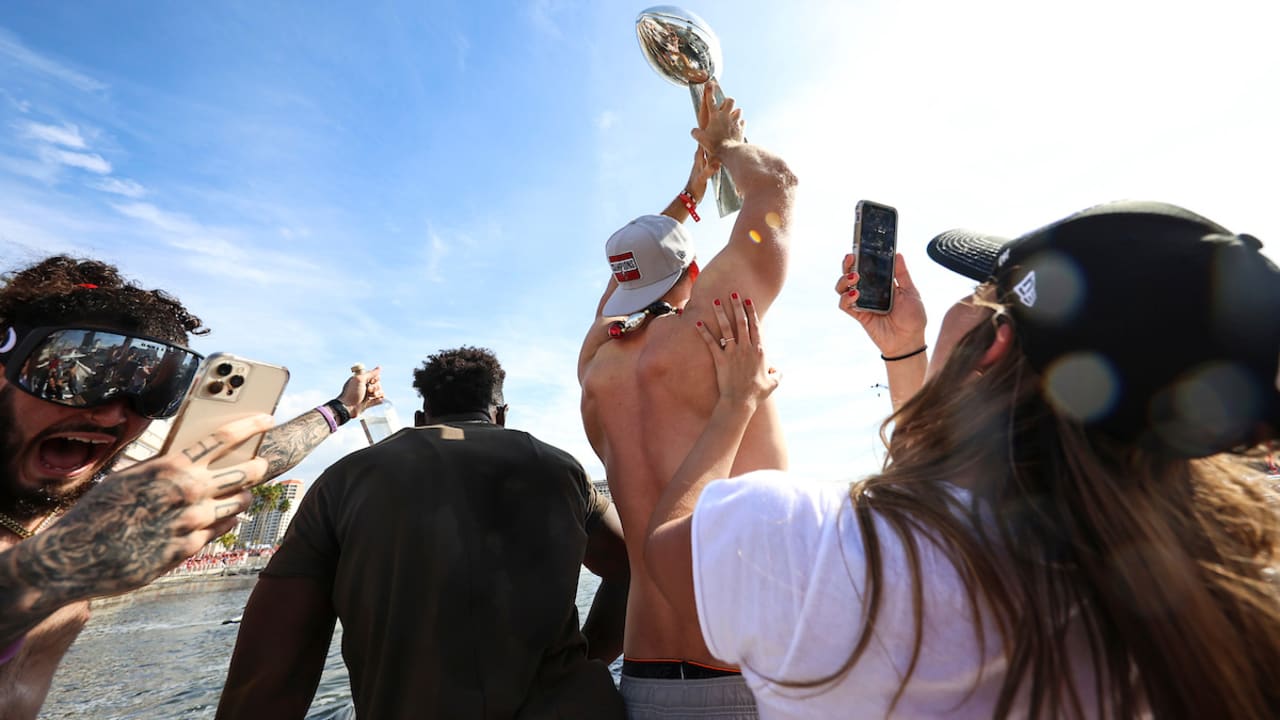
[[165, 655]]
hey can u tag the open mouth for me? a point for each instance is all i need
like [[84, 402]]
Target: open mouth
[[69, 454]]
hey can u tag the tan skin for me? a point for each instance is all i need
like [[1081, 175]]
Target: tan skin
[[647, 396], [744, 379], [134, 526]]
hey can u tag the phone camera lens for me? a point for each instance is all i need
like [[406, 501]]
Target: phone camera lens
[[215, 387], [223, 369], [235, 381]]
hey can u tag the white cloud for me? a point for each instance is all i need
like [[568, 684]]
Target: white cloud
[[120, 186], [66, 135], [161, 219], [92, 162], [231, 254], [13, 48]]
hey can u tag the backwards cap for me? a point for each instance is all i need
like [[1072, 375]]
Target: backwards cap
[[1145, 320], [646, 256]]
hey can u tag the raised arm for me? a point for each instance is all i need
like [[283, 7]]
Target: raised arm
[[744, 380], [136, 525], [286, 445], [754, 260]]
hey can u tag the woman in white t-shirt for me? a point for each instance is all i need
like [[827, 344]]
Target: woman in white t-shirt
[[1062, 527]]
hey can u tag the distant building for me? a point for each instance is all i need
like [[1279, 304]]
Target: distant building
[[267, 528], [602, 487]]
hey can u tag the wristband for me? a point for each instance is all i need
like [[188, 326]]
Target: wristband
[[904, 357], [327, 414], [686, 197], [340, 413]]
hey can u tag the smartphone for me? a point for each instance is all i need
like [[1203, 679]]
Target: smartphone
[[875, 241], [227, 388]]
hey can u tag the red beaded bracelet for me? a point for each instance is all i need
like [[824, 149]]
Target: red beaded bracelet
[[686, 197]]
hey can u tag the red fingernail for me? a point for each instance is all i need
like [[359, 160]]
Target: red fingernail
[[717, 301], [747, 301], [699, 323], [849, 276], [734, 296]]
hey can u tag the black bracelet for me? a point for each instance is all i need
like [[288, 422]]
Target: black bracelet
[[340, 412], [904, 357]]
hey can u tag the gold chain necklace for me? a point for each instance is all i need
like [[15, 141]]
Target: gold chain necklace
[[21, 531]]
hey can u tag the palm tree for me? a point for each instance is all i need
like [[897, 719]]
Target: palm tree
[[227, 541], [266, 498]]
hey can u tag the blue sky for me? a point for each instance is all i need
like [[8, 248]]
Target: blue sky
[[326, 183]]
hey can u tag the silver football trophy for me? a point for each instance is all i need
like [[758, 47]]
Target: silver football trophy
[[681, 48]]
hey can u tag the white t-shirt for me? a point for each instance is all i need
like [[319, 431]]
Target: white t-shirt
[[779, 573]]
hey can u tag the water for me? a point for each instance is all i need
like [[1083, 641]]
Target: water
[[165, 655]]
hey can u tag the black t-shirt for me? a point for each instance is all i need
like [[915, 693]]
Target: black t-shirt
[[453, 554]]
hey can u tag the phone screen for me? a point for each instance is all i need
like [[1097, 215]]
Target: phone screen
[[875, 245]]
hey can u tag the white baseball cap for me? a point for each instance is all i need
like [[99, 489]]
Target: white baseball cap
[[647, 256]]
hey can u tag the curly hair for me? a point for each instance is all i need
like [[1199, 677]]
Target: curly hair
[[463, 380], [62, 290]]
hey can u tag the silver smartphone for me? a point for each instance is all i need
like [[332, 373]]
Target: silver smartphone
[[875, 242], [227, 388]]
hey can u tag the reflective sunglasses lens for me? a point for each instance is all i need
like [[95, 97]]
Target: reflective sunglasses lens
[[66, 367], [168, 383], [84, 368]]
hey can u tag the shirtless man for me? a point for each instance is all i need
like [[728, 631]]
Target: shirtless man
[[647, 394], [70, 532]]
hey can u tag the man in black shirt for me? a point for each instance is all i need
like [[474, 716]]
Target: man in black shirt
[[451, 554]]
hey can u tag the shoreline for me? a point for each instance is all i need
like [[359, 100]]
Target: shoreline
[[186, 584]]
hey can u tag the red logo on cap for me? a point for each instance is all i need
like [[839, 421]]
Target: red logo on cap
[[624, 267]]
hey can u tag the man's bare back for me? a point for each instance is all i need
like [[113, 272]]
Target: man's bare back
[[647, 395], [645, 400]]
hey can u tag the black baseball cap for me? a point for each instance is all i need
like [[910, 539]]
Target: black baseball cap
[[1145, 320]]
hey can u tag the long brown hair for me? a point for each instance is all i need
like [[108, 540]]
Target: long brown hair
[[1165, 562]]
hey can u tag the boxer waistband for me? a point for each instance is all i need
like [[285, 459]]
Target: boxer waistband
[[673, 670]]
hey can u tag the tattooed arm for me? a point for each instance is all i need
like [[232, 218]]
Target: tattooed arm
[[285, 446], [135, 526]]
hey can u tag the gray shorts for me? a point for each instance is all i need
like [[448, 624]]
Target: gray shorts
[[722, 698]]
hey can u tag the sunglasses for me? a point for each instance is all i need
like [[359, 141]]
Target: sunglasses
[[86, 367]]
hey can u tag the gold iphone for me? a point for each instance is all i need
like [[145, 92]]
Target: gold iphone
[[227, 388]]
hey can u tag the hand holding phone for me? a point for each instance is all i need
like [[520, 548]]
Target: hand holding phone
[[227, 388], [875, 242]]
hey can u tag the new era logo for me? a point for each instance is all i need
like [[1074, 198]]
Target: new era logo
[[624, 267], [1026, 289]]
